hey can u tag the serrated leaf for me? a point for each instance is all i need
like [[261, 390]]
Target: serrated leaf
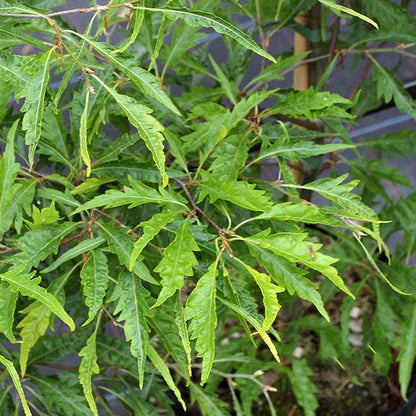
[[240, 193], [308, 104], [140, 194], [303, 387], [8, 172], [21, 201], [293, 247], [339, 8], [36, 245], [94, 280], [407, 353], [121, 245], [199, 18], [27, 286], [151, 228], [268, 291], [229, 158], [87, 368], [37, 320], [133, 309], [172, 331], [225, 83], [311, 214], [296, 150], [163, 369], [178, 261], [81, 248], [400, 142], [113, 151], [146, 81], [34, 93], [43, 217], [8, 299], [201, 310], [83, 134], [149, 129], [333, 190], [58, 196], [16, 381], [63, 396], [389, 87], [137, 24], [53, 141], [289, 276]]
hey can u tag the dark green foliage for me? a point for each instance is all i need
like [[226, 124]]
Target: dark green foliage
[[161, 241]]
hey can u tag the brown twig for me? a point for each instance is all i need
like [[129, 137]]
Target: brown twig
[[7, 250]]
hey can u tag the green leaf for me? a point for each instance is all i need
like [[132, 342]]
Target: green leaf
[[311, 214], [27, 286], [172, 331], [225, 83], [83, 134], [53, 141], [407, 353], [88, 368], [81, 248], [303, 387], [133, 309], [309, 104], [116, 147], [94, 280], [239, 193], [178, 261], [268, 291], [151, 228], [389, 87], [147, 126], [289, 276], [296, 150], [36, 245], [400, 142], [8, 172], [37, 319], [339, 8], [58, 196], [8, 299], [34, 93], [149, 129], [146, 81], [64, 396], [16, 381], [121, 245], [140, 194], [331, 189], [208, 402], [201, 310], [230, 156], [43, 217], [163, 369], [293, 247], [137, 24], [199, 18]]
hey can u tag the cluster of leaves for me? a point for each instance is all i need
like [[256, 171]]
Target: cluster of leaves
[[139, 229]]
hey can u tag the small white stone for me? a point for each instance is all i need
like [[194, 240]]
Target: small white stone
[[356, 312], [356, 340], [298, 352], [356, 325]]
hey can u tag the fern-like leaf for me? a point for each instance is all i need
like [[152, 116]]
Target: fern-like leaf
[[201, 310], [178, 260], [132, 306], [151, 228], [94, 280]]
